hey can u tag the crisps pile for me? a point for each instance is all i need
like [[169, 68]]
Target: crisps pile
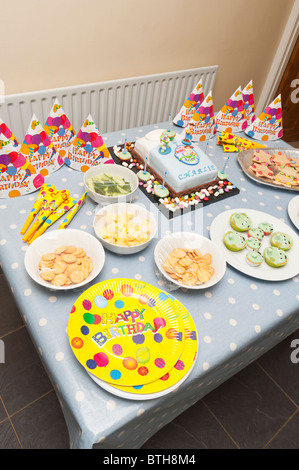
[[124, 229], [67, 265], [189, 266]]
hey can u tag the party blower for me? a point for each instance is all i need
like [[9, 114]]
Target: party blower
[[73, 211], [64, 207], [50, 203], [45, 192]]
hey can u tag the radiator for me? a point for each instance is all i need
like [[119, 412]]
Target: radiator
[[114, 105]]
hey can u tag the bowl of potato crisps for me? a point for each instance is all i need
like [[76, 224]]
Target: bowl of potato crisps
[[125, 228], [190, 260], [64, 259]]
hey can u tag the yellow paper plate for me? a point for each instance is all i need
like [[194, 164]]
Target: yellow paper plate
[[172, 379], [126, 332]]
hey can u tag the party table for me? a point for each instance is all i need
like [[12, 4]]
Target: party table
[[237, 320]]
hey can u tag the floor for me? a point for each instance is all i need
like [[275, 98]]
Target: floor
[[258, 408]]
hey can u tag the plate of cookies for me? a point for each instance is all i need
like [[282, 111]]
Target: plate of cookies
[[276, 167], [257, 244], [64, 259], [190, 260]]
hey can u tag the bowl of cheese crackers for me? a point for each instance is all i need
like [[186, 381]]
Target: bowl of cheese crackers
[[64, 259], [190, 260], [125, 228]]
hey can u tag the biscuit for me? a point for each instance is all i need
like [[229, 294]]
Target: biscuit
[[77, 276], [68, 258], [59, 266], [59, 279], [48, 257], [67, 265], [47, 275]]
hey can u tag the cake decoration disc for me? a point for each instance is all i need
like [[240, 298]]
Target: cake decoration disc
[[172, 379], [186, 154], [126, 332]]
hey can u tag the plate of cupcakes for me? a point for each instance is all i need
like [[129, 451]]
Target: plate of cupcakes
[[257, 244]]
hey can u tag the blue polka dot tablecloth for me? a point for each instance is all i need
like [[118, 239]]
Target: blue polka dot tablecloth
[[237, 320]]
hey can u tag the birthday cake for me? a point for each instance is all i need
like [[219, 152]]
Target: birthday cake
[[175, 161]]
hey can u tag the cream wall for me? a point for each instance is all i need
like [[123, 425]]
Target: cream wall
[[48, 44]]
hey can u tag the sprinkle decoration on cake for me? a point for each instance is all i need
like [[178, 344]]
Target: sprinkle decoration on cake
[[174, 171]]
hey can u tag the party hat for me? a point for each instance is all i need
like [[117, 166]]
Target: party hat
[[39, 150], [4, 130], [59, 129], [268, 126], [190, 106], [88, 148], [17, 174], [202, 125], [247, 94], [231, 117]]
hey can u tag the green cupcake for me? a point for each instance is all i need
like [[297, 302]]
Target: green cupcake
[[256, 233], [253, 243], [275, 257], [254, 258], [240, 222], [281, 240], [266, 227], [234, 241]]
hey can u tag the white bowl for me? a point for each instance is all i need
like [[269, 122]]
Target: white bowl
[[190, 240], [140, 215], [115, 170], [53, 239]]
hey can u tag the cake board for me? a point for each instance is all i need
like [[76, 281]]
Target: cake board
[[215, 193]]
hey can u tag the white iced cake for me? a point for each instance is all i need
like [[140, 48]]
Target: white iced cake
[[187, 166]]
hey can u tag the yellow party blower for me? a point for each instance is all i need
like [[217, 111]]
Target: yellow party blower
[[55, 215], [73, 211], [44, 192], [49, 206]]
